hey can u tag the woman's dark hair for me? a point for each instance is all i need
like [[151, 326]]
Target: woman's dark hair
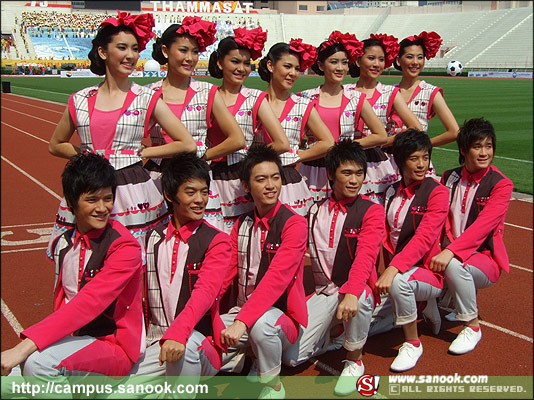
[[104, 37], [167, 39], [225, 46], [276, 52], [407, 43], [182, 168], [256, 154], [472, 131], [344, 151], [323, 53], [407, 143], [354, 70], [86, 173]]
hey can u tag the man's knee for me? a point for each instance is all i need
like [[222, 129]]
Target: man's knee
[[36, 365]]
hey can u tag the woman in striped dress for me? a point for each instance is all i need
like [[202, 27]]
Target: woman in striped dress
[[112, 118], [194, 102], [378, 54], [281, 68], [339, 106], [425, 100], [231, 62]]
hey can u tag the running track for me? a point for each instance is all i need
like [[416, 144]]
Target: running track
[[30, 195]]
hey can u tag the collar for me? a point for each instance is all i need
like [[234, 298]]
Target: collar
[[265, 220], [409, 191], [185, 232], [92, 234], [477, 176], [342, 204]]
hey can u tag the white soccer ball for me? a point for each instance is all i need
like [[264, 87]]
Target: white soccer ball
[[455, 68], [152, 65]]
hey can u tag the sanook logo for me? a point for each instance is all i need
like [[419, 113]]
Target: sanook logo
[[367, 385]]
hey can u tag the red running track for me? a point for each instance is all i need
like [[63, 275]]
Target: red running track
[[30, 195]]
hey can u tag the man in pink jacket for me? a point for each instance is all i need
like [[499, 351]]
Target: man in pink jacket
[[97, 323], [474, 254]]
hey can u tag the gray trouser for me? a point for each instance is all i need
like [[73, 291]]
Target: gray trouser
[[193, 363], [404, 294], [266, 338], [315, 338], [463, 280]]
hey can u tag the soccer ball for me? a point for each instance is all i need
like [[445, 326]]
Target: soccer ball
[[454, 68]]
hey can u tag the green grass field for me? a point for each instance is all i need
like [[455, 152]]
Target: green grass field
[[506, 103]]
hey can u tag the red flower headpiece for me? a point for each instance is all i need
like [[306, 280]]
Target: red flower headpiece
[[141, 24], [391, 46], [307, 53], [253, 39], [203, 31], [353, 46], [431, 40]]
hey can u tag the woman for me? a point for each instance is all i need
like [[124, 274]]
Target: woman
[[416, 210], [339, 107], [425, 100], [281, 68], [192, 101], [112, 118], [378, 54], [231, 62]]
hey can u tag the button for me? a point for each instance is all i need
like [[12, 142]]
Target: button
[[127, 307]]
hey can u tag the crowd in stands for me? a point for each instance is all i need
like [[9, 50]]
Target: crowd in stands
[[54, 23]]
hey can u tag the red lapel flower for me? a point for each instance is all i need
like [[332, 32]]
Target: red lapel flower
[[203, 31], [307, 53], [253, 39], [353, 46], [391, 46], [141, 24]]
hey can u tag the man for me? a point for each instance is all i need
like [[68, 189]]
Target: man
[[268, 248], [187, 260], [474, 254], [345, 232], [97, 323]]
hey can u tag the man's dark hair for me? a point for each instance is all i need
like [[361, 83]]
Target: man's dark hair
[[256, 154], [343, 151], [408, 142]]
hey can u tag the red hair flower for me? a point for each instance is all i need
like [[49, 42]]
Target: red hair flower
[[432, 42], [203, 31], [391, 46], [141, 24], [353, 46], [253, 39], [307, 53]]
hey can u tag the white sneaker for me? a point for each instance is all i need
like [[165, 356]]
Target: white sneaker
[[268, 392], [407, 357], [466, 341], [432, 316], [346, 383]]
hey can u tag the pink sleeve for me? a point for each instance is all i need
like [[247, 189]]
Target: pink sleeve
[[207, 287], [154, 99], [431, 113], [427, 232], [211, 97], [281, 272], [305, 118], [367, 250], [489, 219], [122, 264], [72, 109]]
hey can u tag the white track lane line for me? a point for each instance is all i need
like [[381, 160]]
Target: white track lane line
[[26, 133], [15, 324], [23, 225], [32, 105], [521, 268], [32, 178], [30, 115], [518, 226], [23, 250]]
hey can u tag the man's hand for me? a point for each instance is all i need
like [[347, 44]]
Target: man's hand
[[171, 351], [231, 335], [383, 284], [16, 355], [348, 308], [439, 262]]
